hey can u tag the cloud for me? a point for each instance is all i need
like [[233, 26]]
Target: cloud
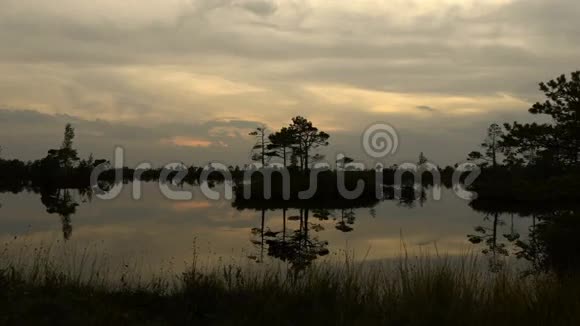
[[29, 135], [425, 108], [190, 205], [404, 104], [156, 64], [230, 131], [185, 141], [260, 8]]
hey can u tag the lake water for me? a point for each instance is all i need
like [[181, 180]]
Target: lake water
[[156, 231]]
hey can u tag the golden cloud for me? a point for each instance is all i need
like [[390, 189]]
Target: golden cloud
[[398, 103], [190, 205], [184, 141]]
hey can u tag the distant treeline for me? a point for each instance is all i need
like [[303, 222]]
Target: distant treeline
[[519, 162], [62, 168], [17, 175]]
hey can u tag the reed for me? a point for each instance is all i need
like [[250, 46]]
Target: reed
[[427, 290]]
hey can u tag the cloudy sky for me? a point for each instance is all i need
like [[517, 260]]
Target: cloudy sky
[[186, 80]]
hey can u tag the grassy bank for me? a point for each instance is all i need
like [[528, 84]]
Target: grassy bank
[[417, 292]]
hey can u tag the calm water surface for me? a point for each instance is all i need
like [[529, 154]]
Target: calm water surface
[[157, 231]]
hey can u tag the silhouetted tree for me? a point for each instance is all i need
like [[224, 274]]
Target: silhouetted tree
[[308, 138], [530, 144], [282, 144], [343, 161], [556, 143], [563, 105], [422, 159], [66, 155], [259, 151], [491, 147]]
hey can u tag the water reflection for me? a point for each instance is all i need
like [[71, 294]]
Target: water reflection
[[61, 202], [549, 244], [298, 233], [297, 247], [488, 235], [552, 244]]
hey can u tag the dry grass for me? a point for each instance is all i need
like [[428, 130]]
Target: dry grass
[[417, 291]]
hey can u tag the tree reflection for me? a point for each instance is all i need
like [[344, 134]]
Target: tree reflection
[[407, 195], [552, 245], [347, 217], [297, 247], [61, 202], [489, 236]]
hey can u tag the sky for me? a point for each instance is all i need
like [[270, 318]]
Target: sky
[[186, 80]]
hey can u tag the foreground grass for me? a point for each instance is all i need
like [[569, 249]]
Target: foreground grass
[[422, 292]]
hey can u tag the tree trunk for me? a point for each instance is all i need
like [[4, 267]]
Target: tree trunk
[[493, 154], [262, 236], [284, 226], [305, 159], [263, 150]]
